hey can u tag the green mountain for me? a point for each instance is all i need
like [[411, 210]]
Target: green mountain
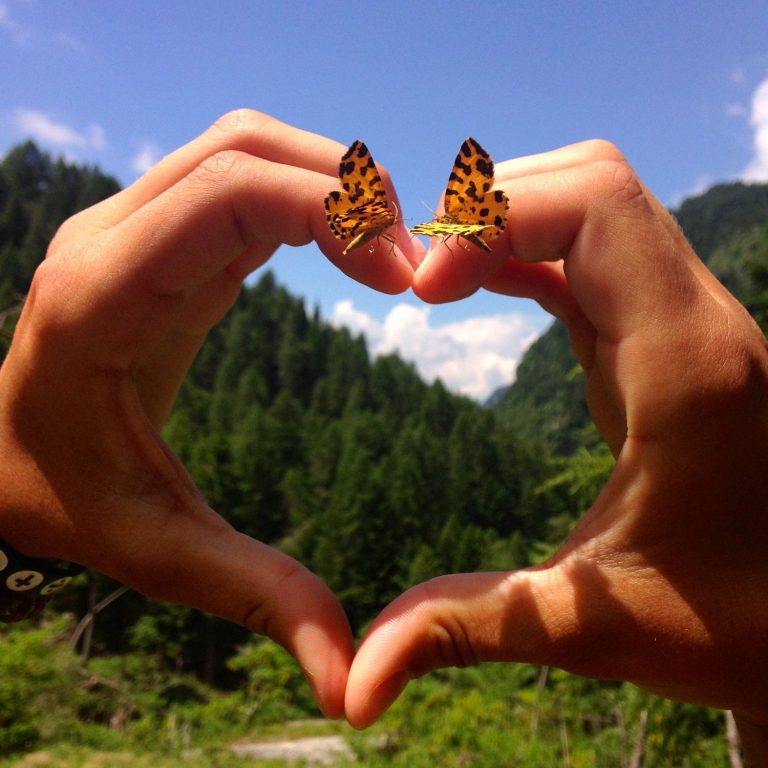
[[728, 228]]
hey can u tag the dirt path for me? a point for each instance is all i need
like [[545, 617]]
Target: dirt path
[[314, 750]]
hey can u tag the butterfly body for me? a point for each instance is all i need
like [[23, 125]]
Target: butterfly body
[[359, 212], [473, 209]]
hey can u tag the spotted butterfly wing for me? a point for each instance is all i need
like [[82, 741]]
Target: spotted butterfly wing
[[473, 209], [359, 212]]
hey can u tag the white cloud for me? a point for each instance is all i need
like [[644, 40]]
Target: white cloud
[[757, 170], [96, 137], [473, 357], [44, 129], [19, 34], [345, 314], [147, 155], [23, 35]]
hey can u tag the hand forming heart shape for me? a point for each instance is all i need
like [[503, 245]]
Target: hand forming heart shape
[[663, 581]]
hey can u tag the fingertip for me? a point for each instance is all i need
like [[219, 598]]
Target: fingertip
[[328, 683], [283, 600], [450, 272], [324, 650], [392, 269], [411, 247], [381, 668], [454, 620], [429, 280], [329, 695], [363, 712], [384, 266], [401, 275]]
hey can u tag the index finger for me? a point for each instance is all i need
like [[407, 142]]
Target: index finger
[[198, 238], [290, 152], [242, 130]]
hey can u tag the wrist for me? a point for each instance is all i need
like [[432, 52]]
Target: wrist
[[26, 583]]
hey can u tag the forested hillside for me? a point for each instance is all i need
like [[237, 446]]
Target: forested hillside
[[356, 467], [36, 194], [374, 479]]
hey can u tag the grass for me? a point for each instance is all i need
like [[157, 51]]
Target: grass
[[212, 756]]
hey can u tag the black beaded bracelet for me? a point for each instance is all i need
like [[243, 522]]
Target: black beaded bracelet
[[27, 583]]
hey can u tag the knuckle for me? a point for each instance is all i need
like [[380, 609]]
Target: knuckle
[[69, 232], [219, 163], [617, 184], [602, 149], [240, 122], [447, 634], [614, 179], [265, 614], [215, 172], [215, 181], [50, 292], [59, 241], [741, 364], [452, 643]]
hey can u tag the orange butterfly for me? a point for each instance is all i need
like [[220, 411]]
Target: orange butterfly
[[473, 210], [360, 212]]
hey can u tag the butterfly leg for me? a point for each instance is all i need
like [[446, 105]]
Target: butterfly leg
[[383, 236]]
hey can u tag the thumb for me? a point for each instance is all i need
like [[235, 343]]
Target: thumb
[[243, 580], [460, 620], [201, 562]]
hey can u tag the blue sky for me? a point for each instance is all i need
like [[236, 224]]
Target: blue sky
[[681, 88]]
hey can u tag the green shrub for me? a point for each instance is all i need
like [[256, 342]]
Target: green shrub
[[275, 688], [38, 674]]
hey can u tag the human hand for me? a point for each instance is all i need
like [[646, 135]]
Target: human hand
[[664, 580], [114, 317]]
